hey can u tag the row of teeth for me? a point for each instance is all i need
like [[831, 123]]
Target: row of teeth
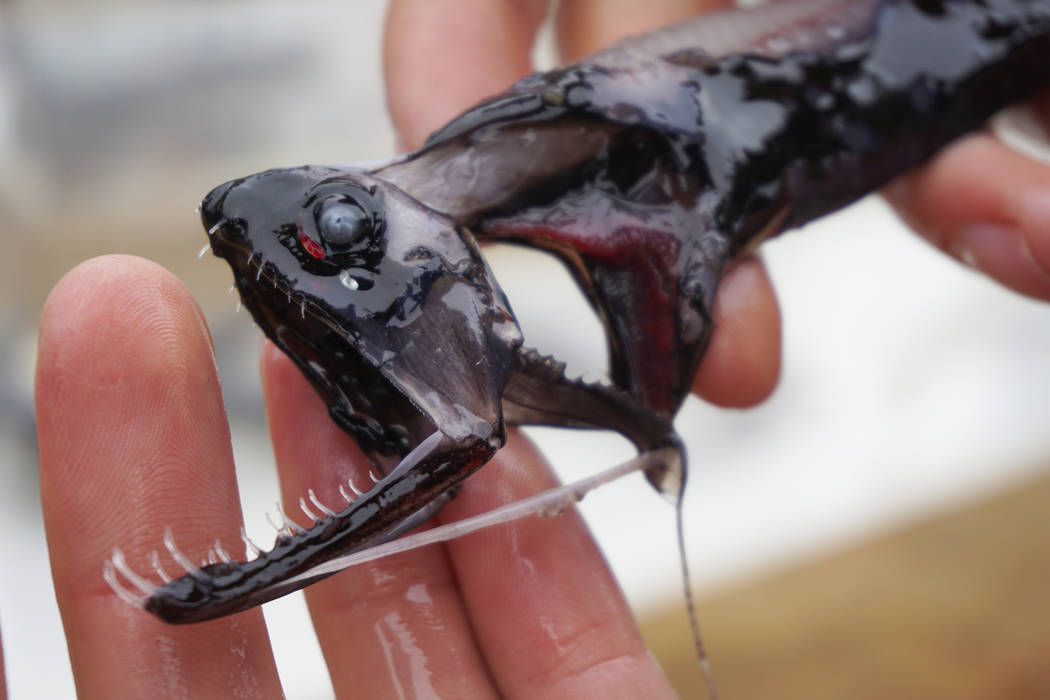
[[258, 276], [551, 363], [142, 589]]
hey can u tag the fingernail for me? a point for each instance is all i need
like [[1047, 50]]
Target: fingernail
[[1035, 222], [1020, 128], [1001, 251]]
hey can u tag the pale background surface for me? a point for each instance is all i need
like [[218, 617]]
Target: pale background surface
[[909, 383]]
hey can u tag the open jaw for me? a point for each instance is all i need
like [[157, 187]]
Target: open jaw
[[202, 594], [220, 585], [354, 322], [412, 346]]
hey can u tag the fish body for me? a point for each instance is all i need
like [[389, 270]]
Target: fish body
[[646, 168]]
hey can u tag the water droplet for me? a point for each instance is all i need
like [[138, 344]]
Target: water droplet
[[348, 281]]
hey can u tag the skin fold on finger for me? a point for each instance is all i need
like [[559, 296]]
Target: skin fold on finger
[[585, 26], [440, 57], [547, 612], [133, 438], [986, 205], [390, 628]]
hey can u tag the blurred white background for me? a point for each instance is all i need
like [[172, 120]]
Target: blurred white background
[[910, 384]]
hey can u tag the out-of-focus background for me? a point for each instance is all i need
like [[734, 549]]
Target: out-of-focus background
[[879, 528]]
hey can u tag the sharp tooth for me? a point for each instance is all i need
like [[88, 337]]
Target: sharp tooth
[[288, 522], [250, 548], [121, 565], [306, 509], [222, 553], [324, 509], [180, 558], [154, 559]]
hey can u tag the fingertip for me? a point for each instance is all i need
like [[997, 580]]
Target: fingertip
[[437, 62], [115, 329], [133, 439], [986, 205], [586, 26], [114, 295], [128, 405], [742, 365], [1001, 252]]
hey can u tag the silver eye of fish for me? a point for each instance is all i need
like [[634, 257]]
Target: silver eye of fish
[[341, 223]]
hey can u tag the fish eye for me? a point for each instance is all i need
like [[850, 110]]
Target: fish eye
[[342, 223]]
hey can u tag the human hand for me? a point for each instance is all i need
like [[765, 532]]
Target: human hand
[[979, 201], [133, 439]]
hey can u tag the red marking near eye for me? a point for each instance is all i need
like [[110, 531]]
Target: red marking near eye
[[312, 247]]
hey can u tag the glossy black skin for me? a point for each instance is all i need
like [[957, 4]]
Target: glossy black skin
[[708, 155], [364, 320], [422, 304], [646, 177], [369, 314]]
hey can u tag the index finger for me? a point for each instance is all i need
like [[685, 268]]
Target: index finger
[[132, 439], [439, 62]]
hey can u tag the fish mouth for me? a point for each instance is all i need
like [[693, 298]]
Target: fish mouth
[[361, 401], [251, 271]]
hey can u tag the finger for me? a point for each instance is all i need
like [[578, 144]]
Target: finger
[[986, 205], [133, 439], [585, 26], [439, 57], [742, 364], [547, 612], [383, 624]]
